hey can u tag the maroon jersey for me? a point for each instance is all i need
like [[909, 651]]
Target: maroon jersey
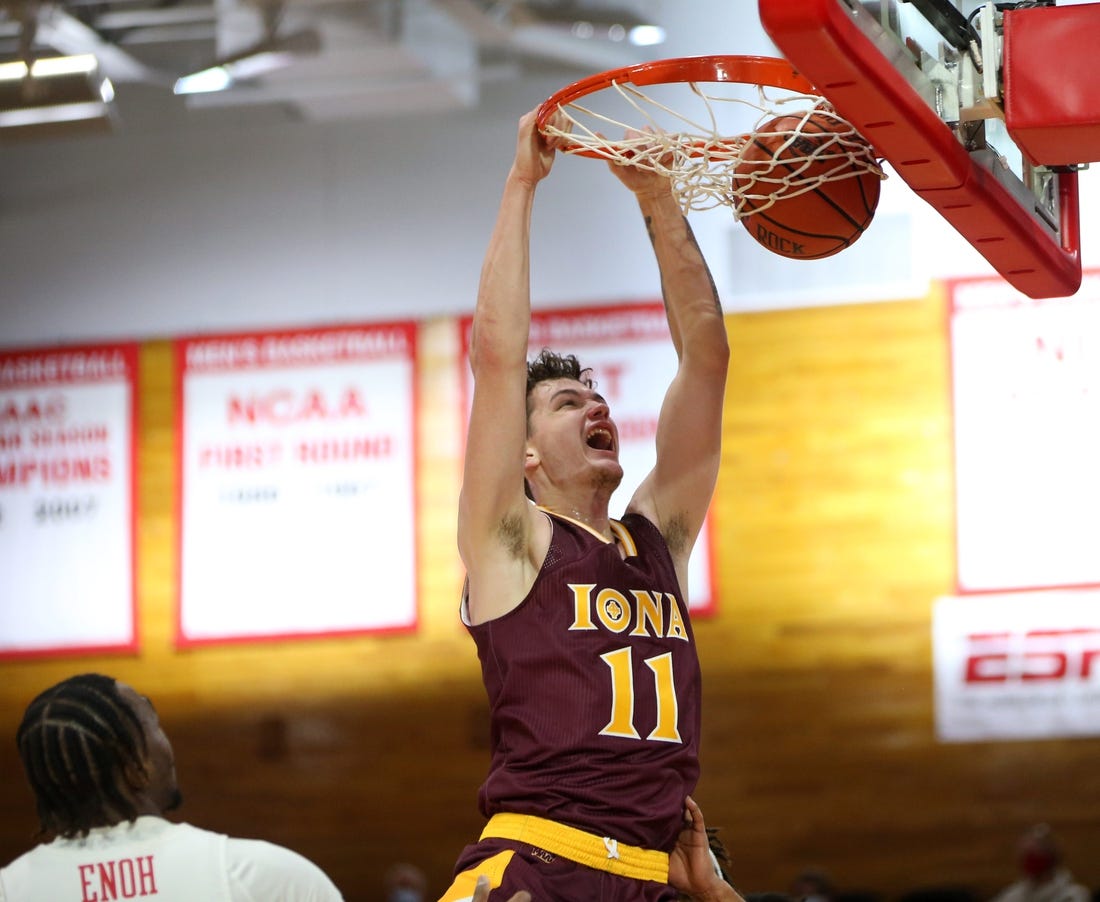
[[594, 687]]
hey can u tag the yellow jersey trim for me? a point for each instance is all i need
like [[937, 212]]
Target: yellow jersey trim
[[462, 890], [600, 852]]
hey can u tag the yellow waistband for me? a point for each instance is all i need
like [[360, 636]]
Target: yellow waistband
[[601, 853]]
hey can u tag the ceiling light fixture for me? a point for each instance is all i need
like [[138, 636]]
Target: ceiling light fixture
[[266, 56], [54, 93], [590, 22]]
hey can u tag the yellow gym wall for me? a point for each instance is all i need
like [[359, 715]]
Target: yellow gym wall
[[833, 536]]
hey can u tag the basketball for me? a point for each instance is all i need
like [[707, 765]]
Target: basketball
[[830, 178]]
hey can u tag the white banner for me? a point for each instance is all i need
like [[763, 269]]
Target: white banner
[[1026, 377], [633, 361], [1018, 666], [67, 500], [297, 483]]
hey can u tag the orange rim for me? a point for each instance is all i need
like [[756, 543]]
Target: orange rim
[[752, 70]]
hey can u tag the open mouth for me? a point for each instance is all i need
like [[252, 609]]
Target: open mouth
[[600, 439]]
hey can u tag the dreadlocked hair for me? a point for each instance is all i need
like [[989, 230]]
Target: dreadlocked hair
[[76, 741], [721, 854], [721, 860]]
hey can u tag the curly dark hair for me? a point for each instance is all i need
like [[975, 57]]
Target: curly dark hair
[[76, 741], [552, 365]]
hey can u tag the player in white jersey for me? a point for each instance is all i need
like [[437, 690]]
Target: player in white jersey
[[103, 776]]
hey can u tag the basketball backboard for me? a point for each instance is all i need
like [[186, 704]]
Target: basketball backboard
[[922, 82]]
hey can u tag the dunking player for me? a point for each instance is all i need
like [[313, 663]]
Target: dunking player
[[103, 776], [581, 621]]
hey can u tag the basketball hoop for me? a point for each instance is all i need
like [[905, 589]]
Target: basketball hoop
[[678, 127]]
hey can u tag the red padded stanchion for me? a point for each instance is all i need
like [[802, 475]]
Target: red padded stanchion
[[1051, 92]]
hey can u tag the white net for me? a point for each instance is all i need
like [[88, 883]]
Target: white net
[[788, 143]]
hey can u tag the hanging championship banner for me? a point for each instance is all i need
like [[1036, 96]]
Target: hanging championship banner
[[67, 421], [633, 360], [1017, 666], [297, 478], [1026, 393]]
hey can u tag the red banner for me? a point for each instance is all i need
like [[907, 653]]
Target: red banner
[[1026, 399], [67, 439], [298, 454]]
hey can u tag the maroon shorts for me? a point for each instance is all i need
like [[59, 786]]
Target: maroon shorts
[[513, 866]]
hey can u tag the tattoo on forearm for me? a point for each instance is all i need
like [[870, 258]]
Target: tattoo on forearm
[[706, 269], [691, 238], [652, 233]]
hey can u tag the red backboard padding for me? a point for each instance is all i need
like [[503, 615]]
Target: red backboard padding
[[1052, 93], [840, 49]]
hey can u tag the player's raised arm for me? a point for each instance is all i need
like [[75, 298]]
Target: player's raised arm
[[677, 493], [495, 521]]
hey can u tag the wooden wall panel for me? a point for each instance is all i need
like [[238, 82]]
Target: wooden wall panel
[[833, 537], [834, 517]]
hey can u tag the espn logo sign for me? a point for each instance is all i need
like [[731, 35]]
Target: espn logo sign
[[1033, 655], [1022, 665]]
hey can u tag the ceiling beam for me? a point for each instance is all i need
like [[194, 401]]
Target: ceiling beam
[[69, 35]]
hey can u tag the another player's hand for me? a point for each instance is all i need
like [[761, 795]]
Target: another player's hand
[[689, 863], [481, 892], [690, 867]]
